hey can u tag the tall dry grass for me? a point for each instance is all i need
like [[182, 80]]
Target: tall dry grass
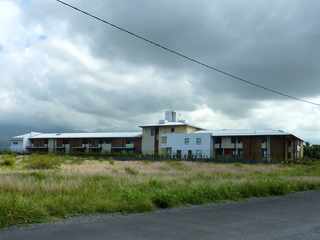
[[89, 186]]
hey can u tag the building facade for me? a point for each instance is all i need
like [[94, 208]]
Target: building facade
[[79, 143], [171, 137], [153, 134], [258, 146]]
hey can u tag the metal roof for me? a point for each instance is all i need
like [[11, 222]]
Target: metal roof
[[169, 124], [246, 132], [28, 135], [88, 135]]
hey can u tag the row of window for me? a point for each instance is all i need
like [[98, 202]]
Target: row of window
[[187, 141], [198, 153], [85, 141], [164, 140]]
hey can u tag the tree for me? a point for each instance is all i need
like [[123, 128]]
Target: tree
[[312, 151]]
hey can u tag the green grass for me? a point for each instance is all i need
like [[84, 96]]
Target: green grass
[[33, 196]]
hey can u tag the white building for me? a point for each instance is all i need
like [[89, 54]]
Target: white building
[[187, 145], [20, 144]]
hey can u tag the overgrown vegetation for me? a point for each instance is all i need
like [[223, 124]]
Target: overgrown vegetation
[[7, 160], [43, 162], [312, 151], [131, 171], [40, 188]]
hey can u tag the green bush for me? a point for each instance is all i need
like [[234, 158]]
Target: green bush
[[44, 162], [312, 151]]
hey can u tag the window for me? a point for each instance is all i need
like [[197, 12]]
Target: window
[[264, 153], [198, 141], [186, 141], [15, 143], [163, 140], [233, 140], [179, 154], [172, 130], [218, 140], [152, 131]]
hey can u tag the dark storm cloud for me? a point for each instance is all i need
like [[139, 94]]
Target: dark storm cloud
[[273, 43]]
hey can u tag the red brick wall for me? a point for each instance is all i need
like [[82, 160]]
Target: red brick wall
[[277, 148], [252, 148]]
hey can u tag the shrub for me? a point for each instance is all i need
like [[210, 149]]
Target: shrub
[[43, 162], [164, 199], [8, 160]]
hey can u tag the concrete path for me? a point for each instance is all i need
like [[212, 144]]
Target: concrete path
[[296, 216]]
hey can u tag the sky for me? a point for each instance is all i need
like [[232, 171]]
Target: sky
[[61, 71]]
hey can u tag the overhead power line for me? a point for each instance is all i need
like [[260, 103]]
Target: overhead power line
[[182, 55]]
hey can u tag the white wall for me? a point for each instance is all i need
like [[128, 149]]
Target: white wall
[[23, 143], [147, 141], [176, 141], [16, 146], [21, 146]]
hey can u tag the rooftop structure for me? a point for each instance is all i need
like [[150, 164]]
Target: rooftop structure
[[87, 135], [246, 132]]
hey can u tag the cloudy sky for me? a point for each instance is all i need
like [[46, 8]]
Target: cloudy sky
[[63, 71]]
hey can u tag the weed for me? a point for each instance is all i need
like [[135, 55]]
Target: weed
[[177, 165], [43, 162], [131, 171], [38, 196], [8, 160]]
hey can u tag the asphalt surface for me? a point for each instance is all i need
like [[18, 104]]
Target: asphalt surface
[[296, 216]]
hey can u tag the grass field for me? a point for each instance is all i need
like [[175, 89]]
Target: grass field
[[42, 188]]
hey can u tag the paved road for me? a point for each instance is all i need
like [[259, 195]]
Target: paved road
[[296, 216]]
